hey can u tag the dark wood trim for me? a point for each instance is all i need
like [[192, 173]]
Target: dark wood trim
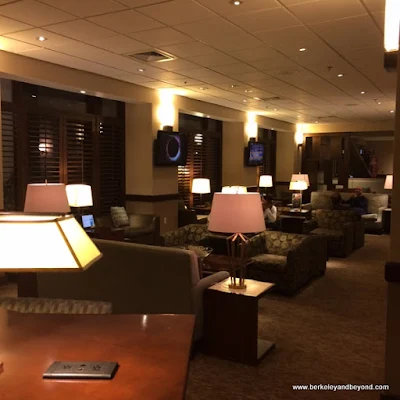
[[152, 198], [389, 396], [392, 272], [390, 61]]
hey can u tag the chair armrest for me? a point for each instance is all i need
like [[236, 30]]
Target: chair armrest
[[256, 245], [309, 225], [380, 213], [198, 291], [307, 206]]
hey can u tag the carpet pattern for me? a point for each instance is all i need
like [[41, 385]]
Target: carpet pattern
[[331, 332]]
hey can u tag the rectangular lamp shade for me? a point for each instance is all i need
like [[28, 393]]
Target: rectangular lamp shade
[[79, 195], [392, 27], [234, 189], [201, 186], [46, 198], [300, 177], [236, 213], [389, 182], [43, 243], [265, 181], [298, 185]]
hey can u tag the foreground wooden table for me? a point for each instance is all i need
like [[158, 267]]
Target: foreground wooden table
[[152, 351]]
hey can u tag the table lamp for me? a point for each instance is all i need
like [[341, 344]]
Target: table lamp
[[389, 182], [265, 181], [300, 177], [297, 197], [79, 195], [46, 198], [234, 189], [201, 186], [237, 214]]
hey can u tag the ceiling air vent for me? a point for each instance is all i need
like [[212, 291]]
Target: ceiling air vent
[[152, 56], [275, 98]]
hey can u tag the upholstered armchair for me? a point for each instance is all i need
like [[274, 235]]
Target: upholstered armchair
[[287, 259], [336, 227], [188, 234]]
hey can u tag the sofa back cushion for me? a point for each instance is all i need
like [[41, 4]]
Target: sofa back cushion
[[375, 201], [321, 200], [136, 279], [333, 219], [280, 243]]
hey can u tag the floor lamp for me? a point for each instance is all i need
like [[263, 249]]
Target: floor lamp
[[237, 214]]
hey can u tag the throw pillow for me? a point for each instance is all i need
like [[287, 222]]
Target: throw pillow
[[119, 217]]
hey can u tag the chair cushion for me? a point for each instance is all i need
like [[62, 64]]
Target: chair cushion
[[131, 232], [119, 217], [333, 233], [370, 217], [269, 262]]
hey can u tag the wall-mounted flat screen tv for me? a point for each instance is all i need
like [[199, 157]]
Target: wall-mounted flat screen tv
[[254, 154], [170, 148]]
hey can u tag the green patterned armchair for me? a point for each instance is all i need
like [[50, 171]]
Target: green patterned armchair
[[188, 234], [287, 259], [337, 227]]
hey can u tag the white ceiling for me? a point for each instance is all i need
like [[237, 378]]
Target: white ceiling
[[246, 57]]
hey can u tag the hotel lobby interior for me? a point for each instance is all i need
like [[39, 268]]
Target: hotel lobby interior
[[198, 199]]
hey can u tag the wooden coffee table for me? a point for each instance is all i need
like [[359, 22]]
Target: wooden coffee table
[[152, 352], [231, 322]]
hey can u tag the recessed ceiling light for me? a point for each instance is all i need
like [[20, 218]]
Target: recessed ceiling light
[[41, 38], [236, 2], [141, 70], [302, 49], [234, 86], [275, 109], [299, 116], [379, 102], [208, 116], [340, 75], [248, 91], [244, 101], [203, 88], [256, 98], [34, 96], [392, 111], [316, 122], [83, 91], [362, 92]]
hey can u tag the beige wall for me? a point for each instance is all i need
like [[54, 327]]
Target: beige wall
[[384, 153], [349, 127], [1, 163], [286, 150]]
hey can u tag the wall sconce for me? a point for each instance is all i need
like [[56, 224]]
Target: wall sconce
[[299, 134], [166, 109], [251, 127], [392, 30]]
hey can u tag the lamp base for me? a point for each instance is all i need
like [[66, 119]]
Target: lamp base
[[237, 286], [237, 248]]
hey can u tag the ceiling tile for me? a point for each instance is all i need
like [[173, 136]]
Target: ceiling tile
[[161, 37], [15, 46], [176, 65], [189, 49], [255, 54], [237, 68], [355, 32], [213, 60], [379, 18], [85, 8], [375, 5], [140, 3], [126, 21], [185, 82], [177, 12], [34, 13], [158, 85], [328, 10], [8, 25], [119, 44], [250, 76], [227, 9], [81, 30], [276, 18], [31, 35]]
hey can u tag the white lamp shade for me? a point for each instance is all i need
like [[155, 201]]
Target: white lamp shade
[[46, 198], [298, 185], [301, 177], [236, 213], [79, 195], [44, 242], [389, 182], [201, 186], [234, 189], [265, 181]]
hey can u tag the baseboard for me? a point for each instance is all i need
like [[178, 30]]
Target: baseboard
[[389, 396]]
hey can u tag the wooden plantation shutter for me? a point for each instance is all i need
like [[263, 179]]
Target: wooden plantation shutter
[[212, 160], [112, 165], [268, 137], [8, 144], [80, 150], [43, 148]]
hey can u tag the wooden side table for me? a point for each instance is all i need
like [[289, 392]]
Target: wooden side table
[[231, 322], [292, 224]]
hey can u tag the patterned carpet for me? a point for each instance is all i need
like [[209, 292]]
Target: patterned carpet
[[331, 332]]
